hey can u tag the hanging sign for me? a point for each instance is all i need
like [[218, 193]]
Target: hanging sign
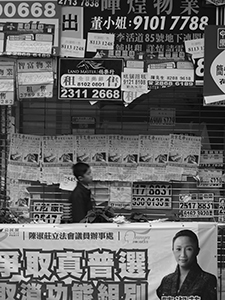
[[92, 79], [29, 27]]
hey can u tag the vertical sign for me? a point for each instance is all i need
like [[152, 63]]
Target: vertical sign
[[214, 74]]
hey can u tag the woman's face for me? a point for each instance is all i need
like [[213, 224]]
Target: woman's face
[[185, 251]]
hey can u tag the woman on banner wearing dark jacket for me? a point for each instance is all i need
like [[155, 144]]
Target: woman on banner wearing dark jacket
[[188, 279]]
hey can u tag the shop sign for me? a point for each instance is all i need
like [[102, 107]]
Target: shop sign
[[196, 205], [29, 27], [152, 196], [214, 75], [6, 83], [90, 79]]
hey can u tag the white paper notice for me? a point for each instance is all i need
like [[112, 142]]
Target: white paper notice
[[99, 41], [72, 47]]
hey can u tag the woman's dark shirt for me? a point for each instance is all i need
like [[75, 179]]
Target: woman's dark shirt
[[81, 202], [197, 283]]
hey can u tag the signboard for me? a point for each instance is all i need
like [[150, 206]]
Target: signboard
[[29, 27], [72, 42], [211, 158], [214, 76], [152, 196], [91, 261], [221, 210], [90, 79], [83, 125], [196, 205], [6, 83], [156, 28], [48, 212], [35, 78]]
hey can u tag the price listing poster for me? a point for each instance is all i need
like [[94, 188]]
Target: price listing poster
[[30, 27], [57, 157], [120, 195], [99, 155], [114, 166], [35, 78], [130, 154], [90, 79], [198, 205], [7, 88], [156, 28], [184, 151], [24, 157]]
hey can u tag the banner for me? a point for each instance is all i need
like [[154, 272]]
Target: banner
[[91, 261]]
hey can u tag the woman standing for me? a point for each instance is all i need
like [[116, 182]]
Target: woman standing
[[188, 279]]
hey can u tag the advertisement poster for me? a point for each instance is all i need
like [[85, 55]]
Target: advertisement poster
[[83, 148], [152, 195], [92, 79], [58, 155], [48, 262], [184, 150], [114, 166], [30, 27], [156, 28], [35, 78], [72, 42], [7, 88], [198, 205], [24, 157], [214, 76], [120, 195]]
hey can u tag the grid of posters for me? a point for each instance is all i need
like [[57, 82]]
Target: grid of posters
[[113, 158]]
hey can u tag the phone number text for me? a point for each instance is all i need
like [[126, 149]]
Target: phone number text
[[151, 202], [96, 94]]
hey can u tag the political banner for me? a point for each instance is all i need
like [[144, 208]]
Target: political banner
[[91, 261]]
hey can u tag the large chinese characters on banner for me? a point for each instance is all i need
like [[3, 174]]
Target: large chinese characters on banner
[[93, 262]]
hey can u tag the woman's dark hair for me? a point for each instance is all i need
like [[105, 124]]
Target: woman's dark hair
[[190, 234], [79, 169]]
